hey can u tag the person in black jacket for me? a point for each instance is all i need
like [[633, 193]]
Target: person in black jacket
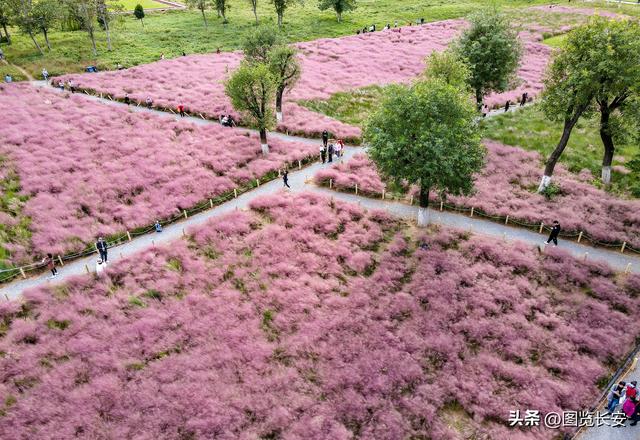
[[330, 152], [285, 178], [101, 245], [555, 231], [325, 138]]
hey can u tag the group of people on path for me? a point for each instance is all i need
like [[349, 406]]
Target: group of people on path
[[330, 147], [372, 28], [101, 246], [625, 395]]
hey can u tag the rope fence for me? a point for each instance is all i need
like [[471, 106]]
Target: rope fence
[[579, 236], [10, 274]]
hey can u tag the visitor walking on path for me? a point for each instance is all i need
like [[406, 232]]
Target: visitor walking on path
[[323, 153], [149, 102], [506, 106], [181, 109], [126, 99], [616, 393], [102, 246], [285, 178], [51, 265], [555, 231], [158, 226], [45, 74], [525, 97], [325, 138], [330, 152]]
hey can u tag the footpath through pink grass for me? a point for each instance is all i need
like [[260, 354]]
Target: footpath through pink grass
[[306, 318], [507, 186], [92, 169], [329, 65]]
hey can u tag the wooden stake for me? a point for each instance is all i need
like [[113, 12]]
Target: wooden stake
[[211, 203], [383, 194], [299, 165], [60, 260], [235, 193], [541, 226], [257, 183], [129, 235], [411, 200], [472, 208], [441, 204], [22, 272], [356, 189], [634, 364], [330, 183], [506, 220], [185, 213], [624, 245], [201, 115], [579, 236]]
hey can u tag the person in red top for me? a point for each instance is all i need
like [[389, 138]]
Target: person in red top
[[631, 392], [181, 109]]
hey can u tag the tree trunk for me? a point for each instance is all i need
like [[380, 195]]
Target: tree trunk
[[218, 11], [46, 39], [93, 43], [204, 17], [263, 141], [279, 94], [107, 32], [254, 4], [36, 43], [142, 21], [339, 14], [280, 19], [607, 141], [423, 209], [6, 32], [555, 155]]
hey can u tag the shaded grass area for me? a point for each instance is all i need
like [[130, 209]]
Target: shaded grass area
[[556, 41], [351, 107], [173, 32], [528, 128]]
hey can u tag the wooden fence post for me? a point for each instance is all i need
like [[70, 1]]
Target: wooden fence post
[[128, 235], [383, 194], [579, 236], [211, 203], [22, 272], [257, 183], [411, 200], [541, 226], [441, 204], [299, 165], [506, 220], [235, 193], [330, 183], [185, 213], [356, 189], [472, 208], [624, 245]]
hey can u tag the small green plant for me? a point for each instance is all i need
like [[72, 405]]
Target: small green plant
[[551, 191], [59, 325], [153, 294], [174, 264], [136, 302]]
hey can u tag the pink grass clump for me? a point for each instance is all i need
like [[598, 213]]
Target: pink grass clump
[[93, 169], [311, 318], [507, 186]]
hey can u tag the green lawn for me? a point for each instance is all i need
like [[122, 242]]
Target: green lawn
[[556, 41], [172, 32], [129, 5], [350, 107], [529, 129]]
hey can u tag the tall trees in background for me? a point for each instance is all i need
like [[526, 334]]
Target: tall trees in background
[[339, 6], [491, 48], [201, 5]]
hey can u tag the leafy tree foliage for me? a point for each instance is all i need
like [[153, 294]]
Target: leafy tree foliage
[[201, 5], [449, 67], [426, 134], [281, 6], [138, 12], [492, 50], [286, 71], [258, 43], [339, 6]]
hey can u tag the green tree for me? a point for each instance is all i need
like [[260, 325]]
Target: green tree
[[449, 67], [596, 71], [281, 6], [285, 68], [23, 13], [339, 6], [426, 134], [491, 48], [5, 18], [258, 43], [138, 12], [251, 89], [201, 5], [46, 15], [87, 13], [614, 50]]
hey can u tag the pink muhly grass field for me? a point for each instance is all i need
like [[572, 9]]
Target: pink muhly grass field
[[329, 65], [93, 169], [306, 318], [507, 186]]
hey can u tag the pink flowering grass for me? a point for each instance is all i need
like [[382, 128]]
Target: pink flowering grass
[[329, 65], [507, 186], [306, 318], [93, 169]]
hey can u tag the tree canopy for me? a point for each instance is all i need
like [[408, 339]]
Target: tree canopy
[[339, 6], [491, 48], [257, 44], [449, 67], [426, 134]]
